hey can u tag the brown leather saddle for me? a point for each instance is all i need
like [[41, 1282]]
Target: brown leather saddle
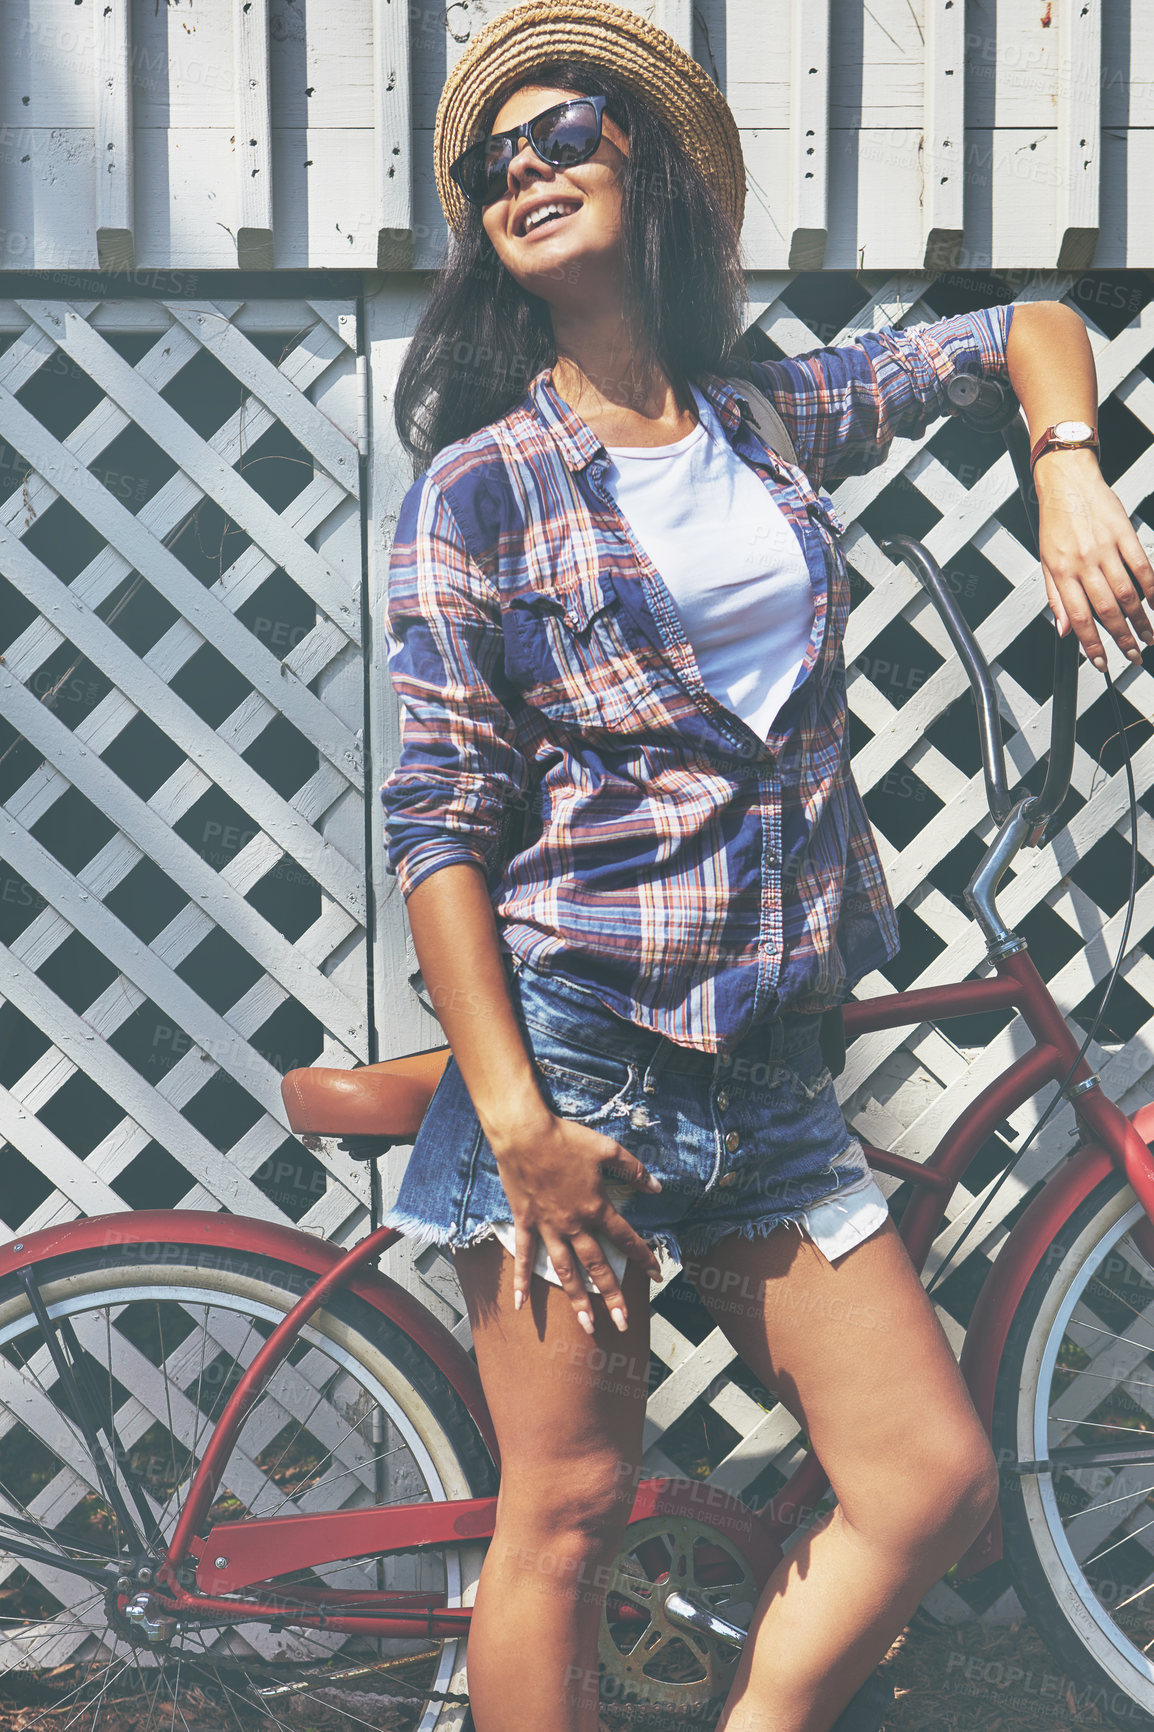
[[368, 1108]]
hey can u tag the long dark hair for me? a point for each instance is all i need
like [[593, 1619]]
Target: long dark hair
[[482, 337]]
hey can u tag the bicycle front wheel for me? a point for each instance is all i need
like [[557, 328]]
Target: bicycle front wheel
[[156, 1337], [1078, 1374]]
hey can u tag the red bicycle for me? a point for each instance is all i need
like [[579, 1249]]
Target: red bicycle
[[249, 1475]]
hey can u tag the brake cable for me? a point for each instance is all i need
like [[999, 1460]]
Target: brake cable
[[1059, 1095]]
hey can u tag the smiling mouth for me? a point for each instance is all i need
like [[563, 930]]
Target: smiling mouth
[[535, 223]]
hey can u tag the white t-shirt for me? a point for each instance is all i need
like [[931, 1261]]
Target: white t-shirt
[[729, 558]]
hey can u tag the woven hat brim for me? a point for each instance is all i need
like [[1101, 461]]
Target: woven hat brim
[[643, 56]]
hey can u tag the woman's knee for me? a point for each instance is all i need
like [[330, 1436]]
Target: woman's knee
[[978, 1485], [958, 1489], [579, 1505], [942, 1496]]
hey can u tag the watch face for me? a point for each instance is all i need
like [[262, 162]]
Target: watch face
[[1072, 430]]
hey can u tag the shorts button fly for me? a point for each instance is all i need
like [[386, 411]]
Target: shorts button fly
[[722, 1100], [733, 1142]]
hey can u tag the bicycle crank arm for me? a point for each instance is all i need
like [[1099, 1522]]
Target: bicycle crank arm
[[691, 1616]]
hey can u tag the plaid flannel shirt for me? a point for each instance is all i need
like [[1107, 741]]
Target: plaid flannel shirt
[[639, 839]]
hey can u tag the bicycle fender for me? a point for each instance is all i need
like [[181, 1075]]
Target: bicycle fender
[[1003, 1288], [149, 1230]]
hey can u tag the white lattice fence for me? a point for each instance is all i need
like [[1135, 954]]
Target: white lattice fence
[[181, 821], [916, 761], [182, 901]]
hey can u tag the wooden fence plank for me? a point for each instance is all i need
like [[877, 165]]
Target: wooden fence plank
[[112, 24], [339, 101], [943, 174], [1079, 140], [253, 136], [676, 17], [393, 136], [809, 134]]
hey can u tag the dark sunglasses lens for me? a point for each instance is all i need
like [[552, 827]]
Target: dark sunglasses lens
[[493, 168], [568, 134], [484, 170]]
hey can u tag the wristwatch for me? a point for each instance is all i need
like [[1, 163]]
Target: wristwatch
[[1064, 436]]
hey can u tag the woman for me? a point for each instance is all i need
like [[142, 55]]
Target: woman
[[635, 864]]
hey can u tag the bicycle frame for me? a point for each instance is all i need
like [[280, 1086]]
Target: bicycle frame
[[240, 1555]]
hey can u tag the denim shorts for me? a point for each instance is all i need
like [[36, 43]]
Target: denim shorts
[[742, 1141]]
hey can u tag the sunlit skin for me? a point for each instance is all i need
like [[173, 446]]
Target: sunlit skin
[[574, 261], [575, 265], [882, 1402]]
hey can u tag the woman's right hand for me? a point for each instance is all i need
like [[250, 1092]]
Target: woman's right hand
[[554, 1180]]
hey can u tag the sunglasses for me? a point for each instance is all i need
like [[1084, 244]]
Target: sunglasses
[[561, 136]]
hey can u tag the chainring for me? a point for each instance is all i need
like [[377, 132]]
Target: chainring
[[643, 1657]]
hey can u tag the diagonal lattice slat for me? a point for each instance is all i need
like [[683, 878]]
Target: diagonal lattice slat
[[249, 922]]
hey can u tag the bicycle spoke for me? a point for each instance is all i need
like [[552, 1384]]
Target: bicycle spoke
[[1110, 1503], [1099, 1329], [155, 1370], [1104, 1377], [1133, 1431], [1137, 1595]]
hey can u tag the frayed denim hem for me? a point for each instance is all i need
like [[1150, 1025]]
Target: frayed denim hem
[[421, 1234], [696, 1244]]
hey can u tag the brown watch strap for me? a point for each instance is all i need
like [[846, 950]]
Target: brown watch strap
[[1050, 441]]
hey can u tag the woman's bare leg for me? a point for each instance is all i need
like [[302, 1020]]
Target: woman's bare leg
[[856, 1353], [568, 1411]]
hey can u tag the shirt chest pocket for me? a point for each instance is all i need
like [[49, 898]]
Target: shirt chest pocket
[[568, 653]]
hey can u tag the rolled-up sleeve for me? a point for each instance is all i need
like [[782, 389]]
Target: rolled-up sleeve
[[460, 770], [844, 406]]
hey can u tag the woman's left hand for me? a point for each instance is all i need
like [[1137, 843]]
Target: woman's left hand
[[1091, 557]]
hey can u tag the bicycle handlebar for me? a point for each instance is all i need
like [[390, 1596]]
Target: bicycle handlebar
[[929, 574]]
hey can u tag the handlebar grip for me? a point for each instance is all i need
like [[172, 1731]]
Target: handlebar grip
[[982, 403]]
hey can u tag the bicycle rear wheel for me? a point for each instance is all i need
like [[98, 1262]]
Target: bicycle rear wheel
[[357, 1415], [1078, 1371]]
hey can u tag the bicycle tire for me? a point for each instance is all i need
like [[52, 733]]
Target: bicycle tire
[[358, 1405], [1077, 1366]]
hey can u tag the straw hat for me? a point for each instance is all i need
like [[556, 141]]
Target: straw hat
[[641, 55]]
